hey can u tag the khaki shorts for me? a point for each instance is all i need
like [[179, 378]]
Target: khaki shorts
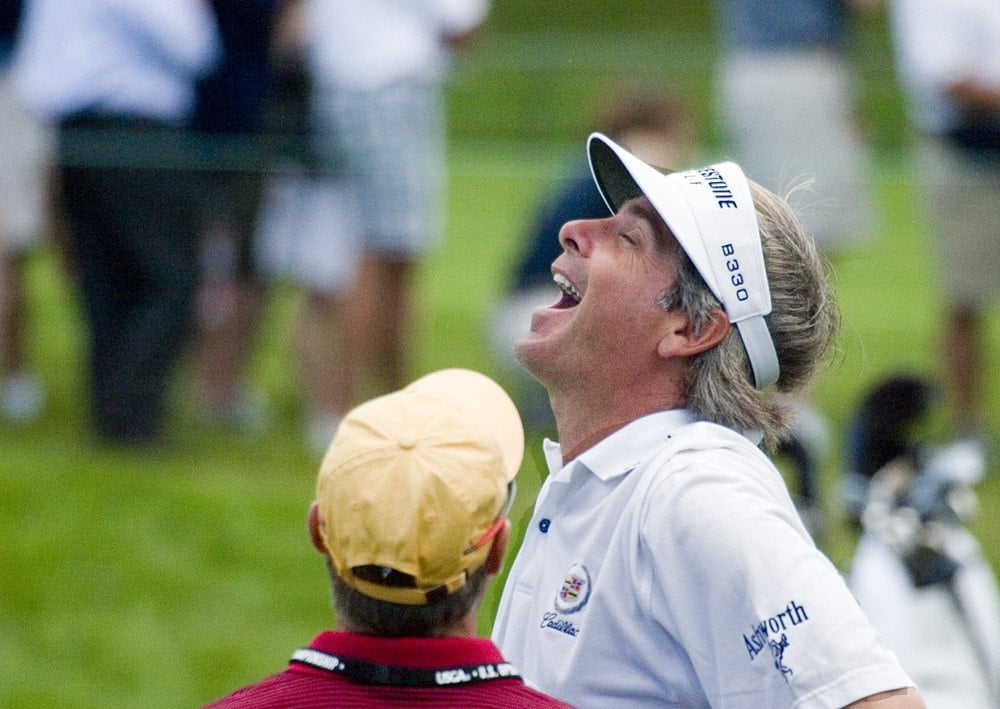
[[388, 144], [791, 125], [964, 214], [308, 232]]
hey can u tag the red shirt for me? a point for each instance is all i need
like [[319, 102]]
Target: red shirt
[[301, 685]]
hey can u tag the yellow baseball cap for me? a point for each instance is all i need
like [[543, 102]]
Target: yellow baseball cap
[[414, 482]]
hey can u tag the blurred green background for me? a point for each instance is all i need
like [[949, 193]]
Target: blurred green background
[[167, 579], [543, 64]]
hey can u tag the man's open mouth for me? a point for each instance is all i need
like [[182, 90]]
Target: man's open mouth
[[570, 295]]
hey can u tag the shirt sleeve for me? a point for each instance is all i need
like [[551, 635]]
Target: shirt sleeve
[[760, 611]]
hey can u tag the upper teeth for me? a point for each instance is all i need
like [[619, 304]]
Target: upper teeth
[[566, 286]]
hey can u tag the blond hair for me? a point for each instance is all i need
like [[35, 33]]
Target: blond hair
[[803, 322]]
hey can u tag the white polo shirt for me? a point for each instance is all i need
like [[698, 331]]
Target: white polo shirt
[[117, 57], [667, 566], [370, 44]]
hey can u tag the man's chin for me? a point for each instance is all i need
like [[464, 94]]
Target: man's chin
[[531, 351], [522, 349]]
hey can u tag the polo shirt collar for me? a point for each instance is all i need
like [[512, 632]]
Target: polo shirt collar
[[622, 450], [409, 651]]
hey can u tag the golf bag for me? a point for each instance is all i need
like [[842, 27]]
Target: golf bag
[[917, 571]]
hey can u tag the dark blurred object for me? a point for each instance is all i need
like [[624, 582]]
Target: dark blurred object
[[881, 429], [10, 17]]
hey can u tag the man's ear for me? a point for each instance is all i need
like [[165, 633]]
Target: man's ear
[[314, 523], [494, 560], [681, 340]]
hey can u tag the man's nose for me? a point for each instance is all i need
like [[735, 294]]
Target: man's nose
[[578, 236]]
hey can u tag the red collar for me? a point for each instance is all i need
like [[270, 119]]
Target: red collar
[[408, 652]]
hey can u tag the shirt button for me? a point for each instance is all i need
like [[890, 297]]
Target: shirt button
[[543, 525]]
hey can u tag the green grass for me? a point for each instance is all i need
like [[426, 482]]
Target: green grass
[[543, 69], [165, 580]]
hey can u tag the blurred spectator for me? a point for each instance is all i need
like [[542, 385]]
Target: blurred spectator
[[25, 154], [656, 126], [119, 77], [949, 61], [377, 70], [786, 103], [230, 118], [308, 237]]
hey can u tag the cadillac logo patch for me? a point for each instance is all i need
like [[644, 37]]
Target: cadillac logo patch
[[575, 590]]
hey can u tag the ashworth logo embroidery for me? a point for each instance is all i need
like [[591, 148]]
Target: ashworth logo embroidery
[[778, 652], [760, 635], [575, 590]]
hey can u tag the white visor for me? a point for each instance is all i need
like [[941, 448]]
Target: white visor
[[711, 214]]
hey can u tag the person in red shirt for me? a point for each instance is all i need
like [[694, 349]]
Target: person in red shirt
[[410, 515]]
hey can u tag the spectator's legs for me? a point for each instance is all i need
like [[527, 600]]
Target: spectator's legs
[[327, 368], [229, 311], [231, 299], [12, 356], [134, 237], [963, 355], [390, 144], [380, 318], [961, 192], [21, 393]]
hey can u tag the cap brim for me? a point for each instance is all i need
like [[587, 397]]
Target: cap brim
[[620, 177], [486, 403]]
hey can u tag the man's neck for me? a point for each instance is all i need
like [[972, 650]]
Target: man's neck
[[584, 421], [463, 628]]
